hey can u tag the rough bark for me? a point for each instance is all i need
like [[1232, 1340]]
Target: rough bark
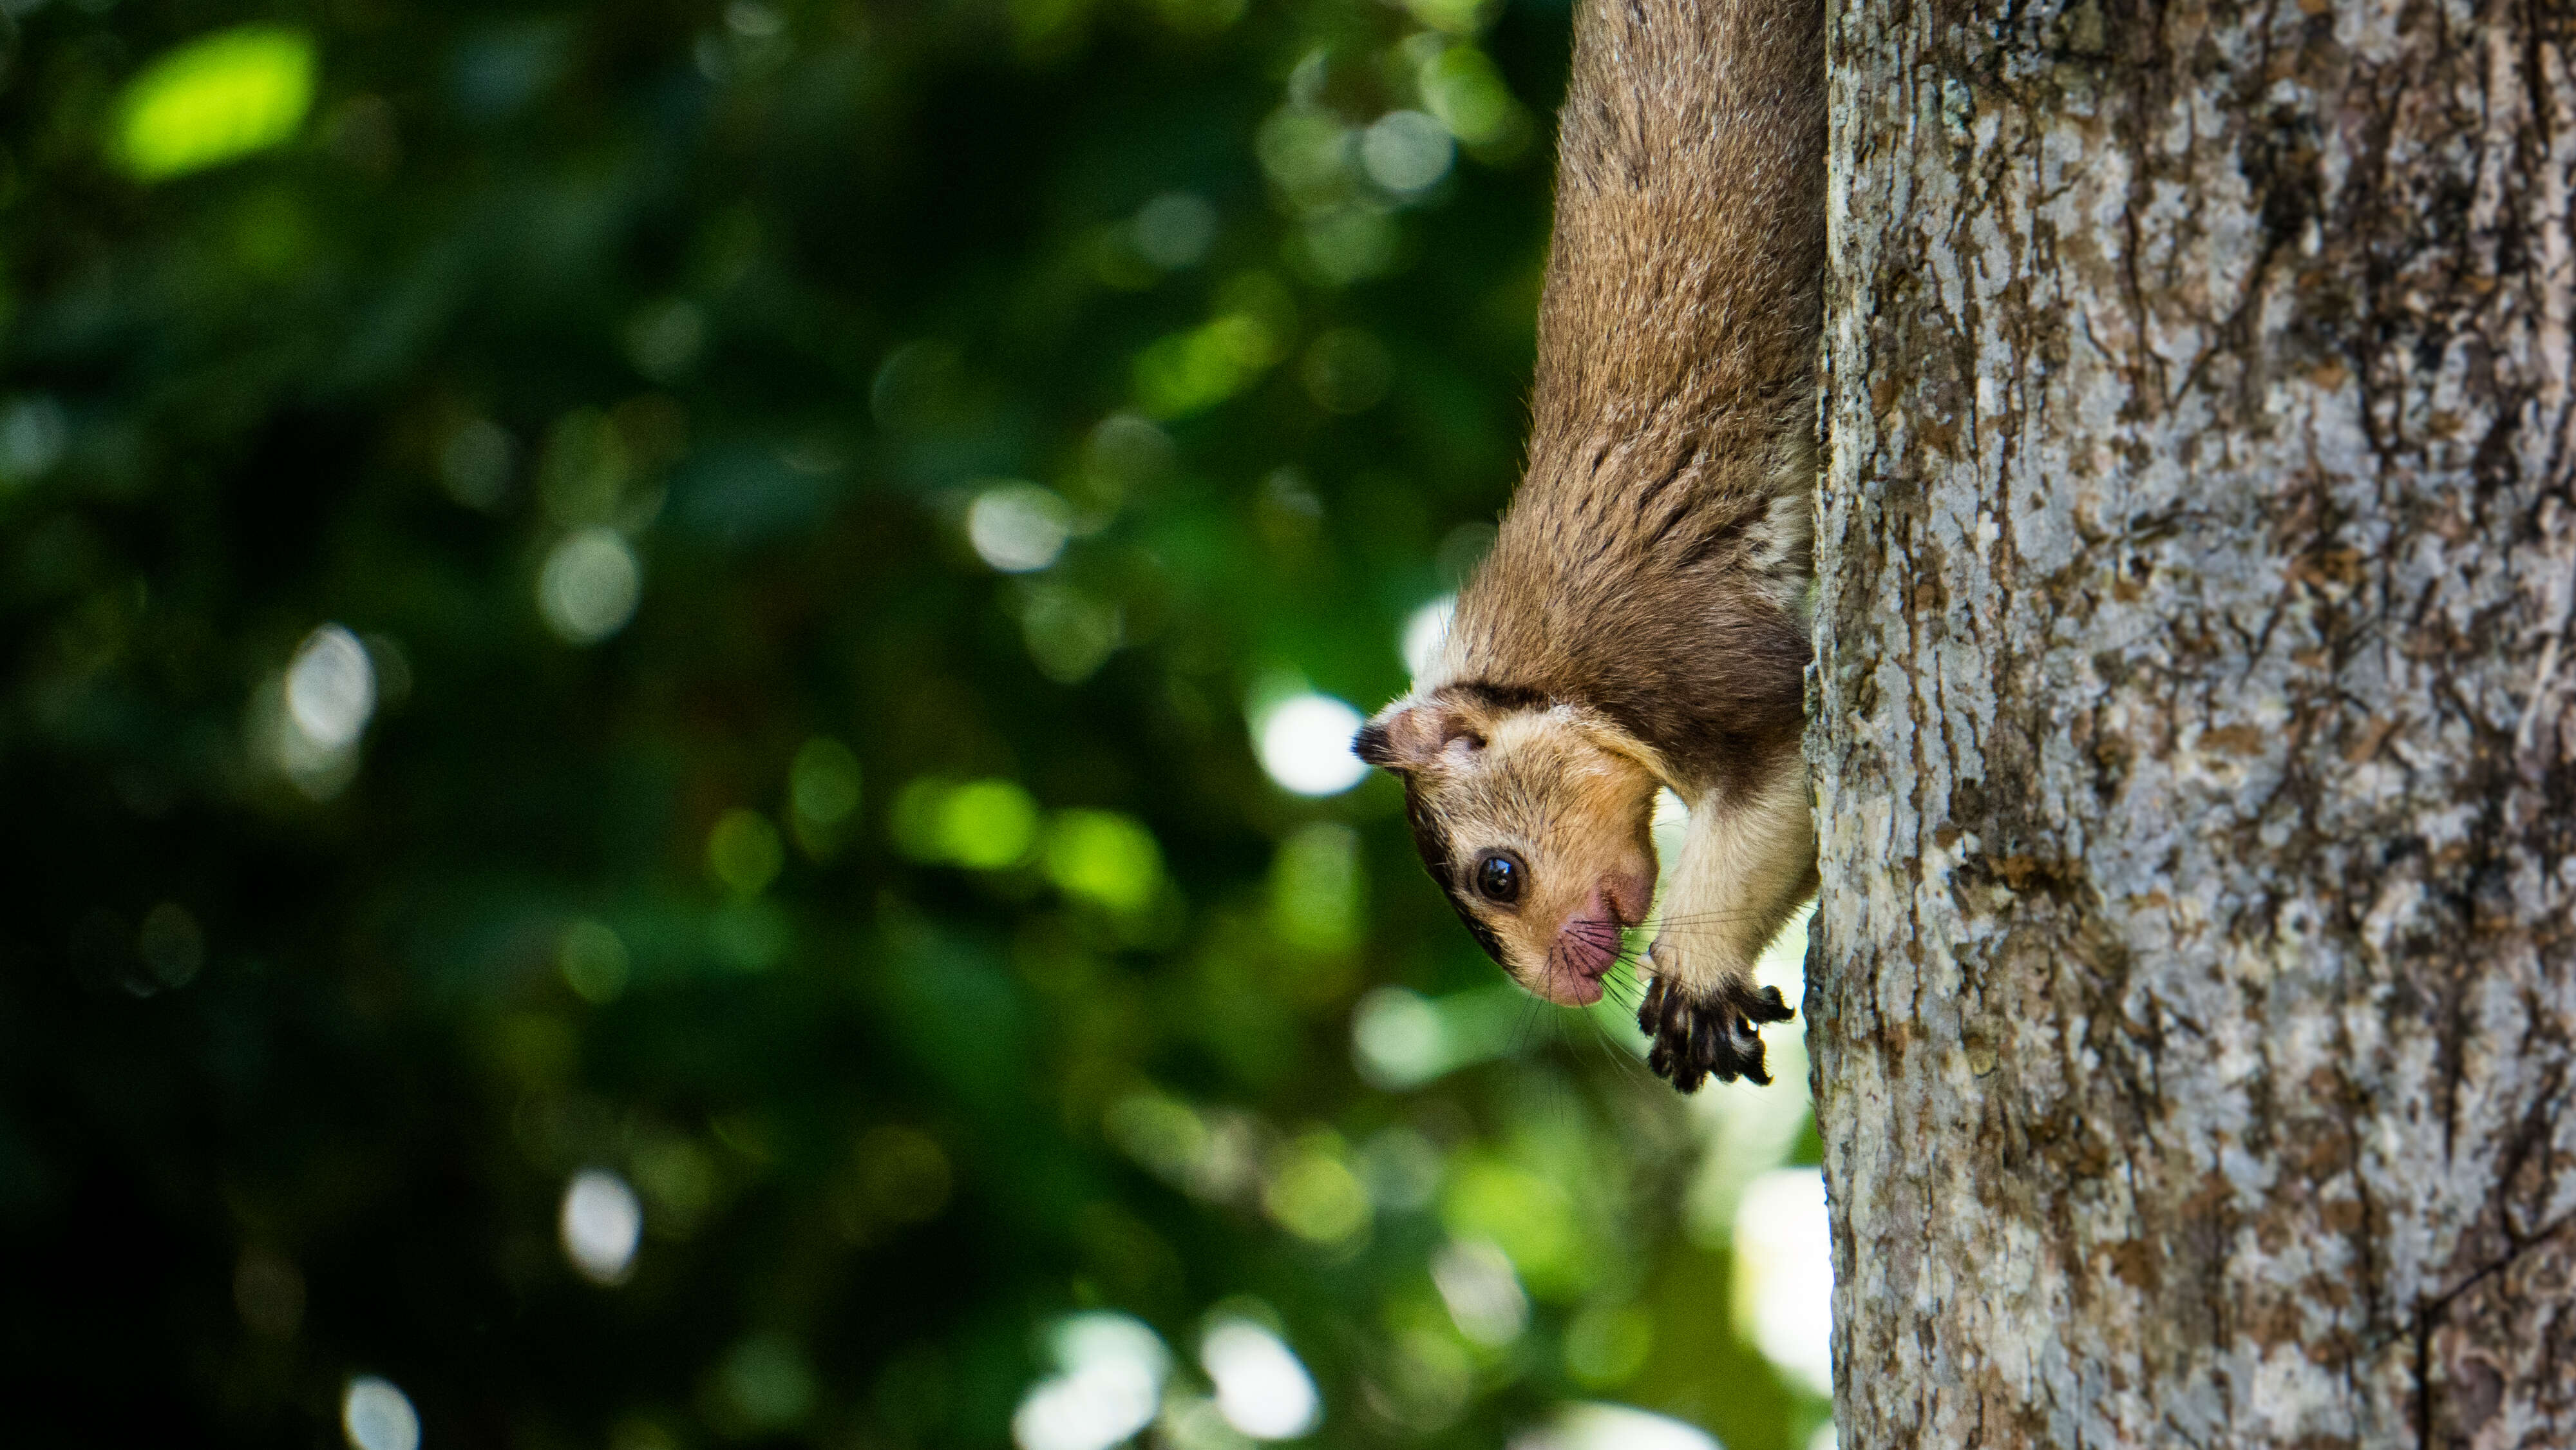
[[2193, 995]]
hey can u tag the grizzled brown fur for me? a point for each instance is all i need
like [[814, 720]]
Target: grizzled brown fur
[[1643, 601], [1648, 565]]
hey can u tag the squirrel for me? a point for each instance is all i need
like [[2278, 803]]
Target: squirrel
[[1640, 622]]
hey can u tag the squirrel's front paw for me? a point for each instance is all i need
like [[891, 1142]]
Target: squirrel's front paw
[[1717, 1031]]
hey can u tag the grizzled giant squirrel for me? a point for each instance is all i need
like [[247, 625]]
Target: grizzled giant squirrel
[[1640, 621]]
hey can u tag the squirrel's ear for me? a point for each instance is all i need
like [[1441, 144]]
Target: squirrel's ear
[[1406, 737]]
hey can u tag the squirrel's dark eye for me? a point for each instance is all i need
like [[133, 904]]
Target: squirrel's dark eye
[[1499, 878]]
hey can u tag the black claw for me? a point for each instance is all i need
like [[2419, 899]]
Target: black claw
[[1717, 1033]]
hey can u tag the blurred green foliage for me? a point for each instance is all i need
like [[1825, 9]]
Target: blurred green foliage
[[675, 590]]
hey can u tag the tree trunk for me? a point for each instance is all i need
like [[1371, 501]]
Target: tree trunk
[[2193, 724]]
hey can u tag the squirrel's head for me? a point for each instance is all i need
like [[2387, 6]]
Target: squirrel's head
[[1535, 817]]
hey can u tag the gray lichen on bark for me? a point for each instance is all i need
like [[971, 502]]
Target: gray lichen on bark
[[2193, 999]]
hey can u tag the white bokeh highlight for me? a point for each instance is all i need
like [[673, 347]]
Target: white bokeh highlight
[[1304, 743], [1483, 1293], [377, 1416], [331, 688], [1108, 1386], [1594, 1426], [589, 586], [1397, 1039], [1406, 151], [1784, 1273], [1018, 528], [1262, 1388], [600, 1224], [1425, 631]]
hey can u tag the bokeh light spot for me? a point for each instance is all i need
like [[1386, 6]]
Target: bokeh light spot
[[1458, 17], [1261, 1387], [1402, 1167], [600, 1224], [1174, 230], [1164, 1134], [1104, 858], [1524, 1213], [1401, 1039], [1462, 87], [1350, 245], [663, 339], [215, 98], [1018, 528], [33, 435], [823, 783], [589, 586], [1484, 1297], [331, 688], [1315, 888], [593, 960], [1108, 1386], [1613, 1427], [474, 463], [1070, 634], [767, 1382], [584, 469], [988, 824], [1303, 148], [1407, 151], [1607, 1344], [377, 1416], [1314, 1196], [744, 852], [280, 743], [1305, 745], [1191, 372], [1125, 452], [1784, 1273], [753, 19], [679, 1178], [1397, 1039], [1426, 632]]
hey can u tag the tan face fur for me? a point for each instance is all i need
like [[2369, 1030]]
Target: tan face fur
[[1563, 799]]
